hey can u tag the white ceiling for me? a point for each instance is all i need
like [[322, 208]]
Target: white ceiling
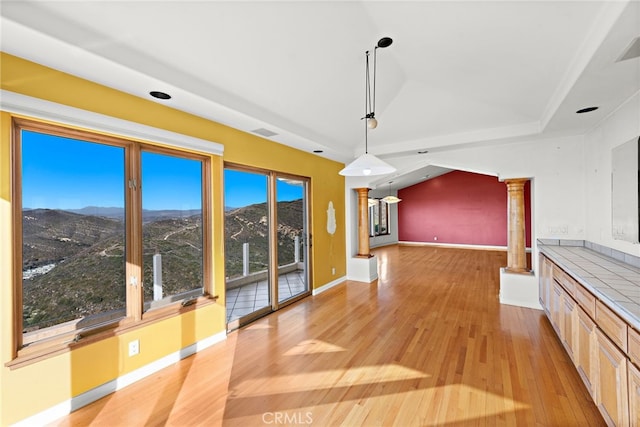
[[458, 73]]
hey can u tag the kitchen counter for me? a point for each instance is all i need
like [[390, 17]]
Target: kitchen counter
[[612, 280]]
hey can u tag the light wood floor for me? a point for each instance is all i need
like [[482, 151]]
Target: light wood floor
[[428, 344]]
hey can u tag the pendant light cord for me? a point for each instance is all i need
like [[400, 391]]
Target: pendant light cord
[[367, 102], [369, 98], [373, 106]]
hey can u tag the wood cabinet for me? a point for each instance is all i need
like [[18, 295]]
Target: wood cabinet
[[568, 314], [603, 347], [612, 325], [611, 387], [557, 307], [586, 300], [634, 346], [546, 278], [583, 357], [634, 396]]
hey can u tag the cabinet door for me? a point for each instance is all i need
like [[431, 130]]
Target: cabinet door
[[611, 384], [634, 396], [585, 347], [546, 273], [568, 312], [556, 309]]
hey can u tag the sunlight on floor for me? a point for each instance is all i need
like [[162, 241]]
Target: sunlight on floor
[[305, 381], [450, 404], [389, 399], [313, 346]]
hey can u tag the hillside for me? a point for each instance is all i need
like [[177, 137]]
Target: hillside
[[73, 264], [249, 225]]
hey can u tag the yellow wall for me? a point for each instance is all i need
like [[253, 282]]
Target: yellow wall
[[30, 389]]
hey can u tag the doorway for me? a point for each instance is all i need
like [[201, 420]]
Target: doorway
[[267, 242]]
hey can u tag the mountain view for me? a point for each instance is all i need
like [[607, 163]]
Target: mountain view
[[74, 261], [249, 225]]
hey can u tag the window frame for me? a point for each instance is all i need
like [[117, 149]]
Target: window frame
[[377, 208], [62, 337]]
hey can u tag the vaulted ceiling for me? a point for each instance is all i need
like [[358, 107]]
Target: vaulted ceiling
[[459, 73]]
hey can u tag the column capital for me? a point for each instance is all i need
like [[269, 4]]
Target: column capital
[[515, 183]]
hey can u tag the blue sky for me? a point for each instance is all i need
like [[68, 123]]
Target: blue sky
[[62, 173], [246, 188]]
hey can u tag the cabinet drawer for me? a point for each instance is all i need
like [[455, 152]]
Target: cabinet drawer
[[586, 300], [612, 325], [564, 279], [634, 347]]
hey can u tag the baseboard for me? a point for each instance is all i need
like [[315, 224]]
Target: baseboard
[[329, 285], [65, 408], [458, 246]]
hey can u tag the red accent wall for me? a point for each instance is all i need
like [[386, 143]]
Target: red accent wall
[[460, 208]]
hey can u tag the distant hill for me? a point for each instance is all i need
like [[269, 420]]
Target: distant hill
[[73, 264], [147, 215], [249, 225], [73, 261]]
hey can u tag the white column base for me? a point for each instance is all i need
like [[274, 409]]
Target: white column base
[[362, 269], [520, 289]]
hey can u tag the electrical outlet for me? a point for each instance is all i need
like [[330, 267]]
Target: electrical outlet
[[134, 347], [333, 271]]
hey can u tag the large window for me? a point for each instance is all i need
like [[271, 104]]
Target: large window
[[171, 228], [111, 231], [378, 217]]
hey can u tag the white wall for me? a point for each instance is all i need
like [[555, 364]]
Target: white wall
[[617, 129]]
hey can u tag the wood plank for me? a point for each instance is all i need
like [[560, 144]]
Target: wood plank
[[427, 344]]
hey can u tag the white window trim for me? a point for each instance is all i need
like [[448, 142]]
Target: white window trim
[[51, 111]]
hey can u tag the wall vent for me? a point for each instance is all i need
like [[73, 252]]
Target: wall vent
[[264, 132]]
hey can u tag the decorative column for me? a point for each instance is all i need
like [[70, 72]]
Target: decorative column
[[363, 223], [516, 252]]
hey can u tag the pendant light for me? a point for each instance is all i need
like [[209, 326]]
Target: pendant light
[[390, 199], [368, 164]]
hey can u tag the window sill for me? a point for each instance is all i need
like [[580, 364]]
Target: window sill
[[39, 351]]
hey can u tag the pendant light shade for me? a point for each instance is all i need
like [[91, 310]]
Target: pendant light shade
[[368, 164], [391, 199]]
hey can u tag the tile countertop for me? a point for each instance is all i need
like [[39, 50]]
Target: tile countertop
[[615, 283]]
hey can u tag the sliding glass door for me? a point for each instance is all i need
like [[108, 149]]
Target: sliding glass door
[[248, 287], [292, 237], [266, 242]]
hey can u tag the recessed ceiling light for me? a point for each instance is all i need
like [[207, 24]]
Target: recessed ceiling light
[[317, 151], [159, 95], [423, 152], [586, 110]]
